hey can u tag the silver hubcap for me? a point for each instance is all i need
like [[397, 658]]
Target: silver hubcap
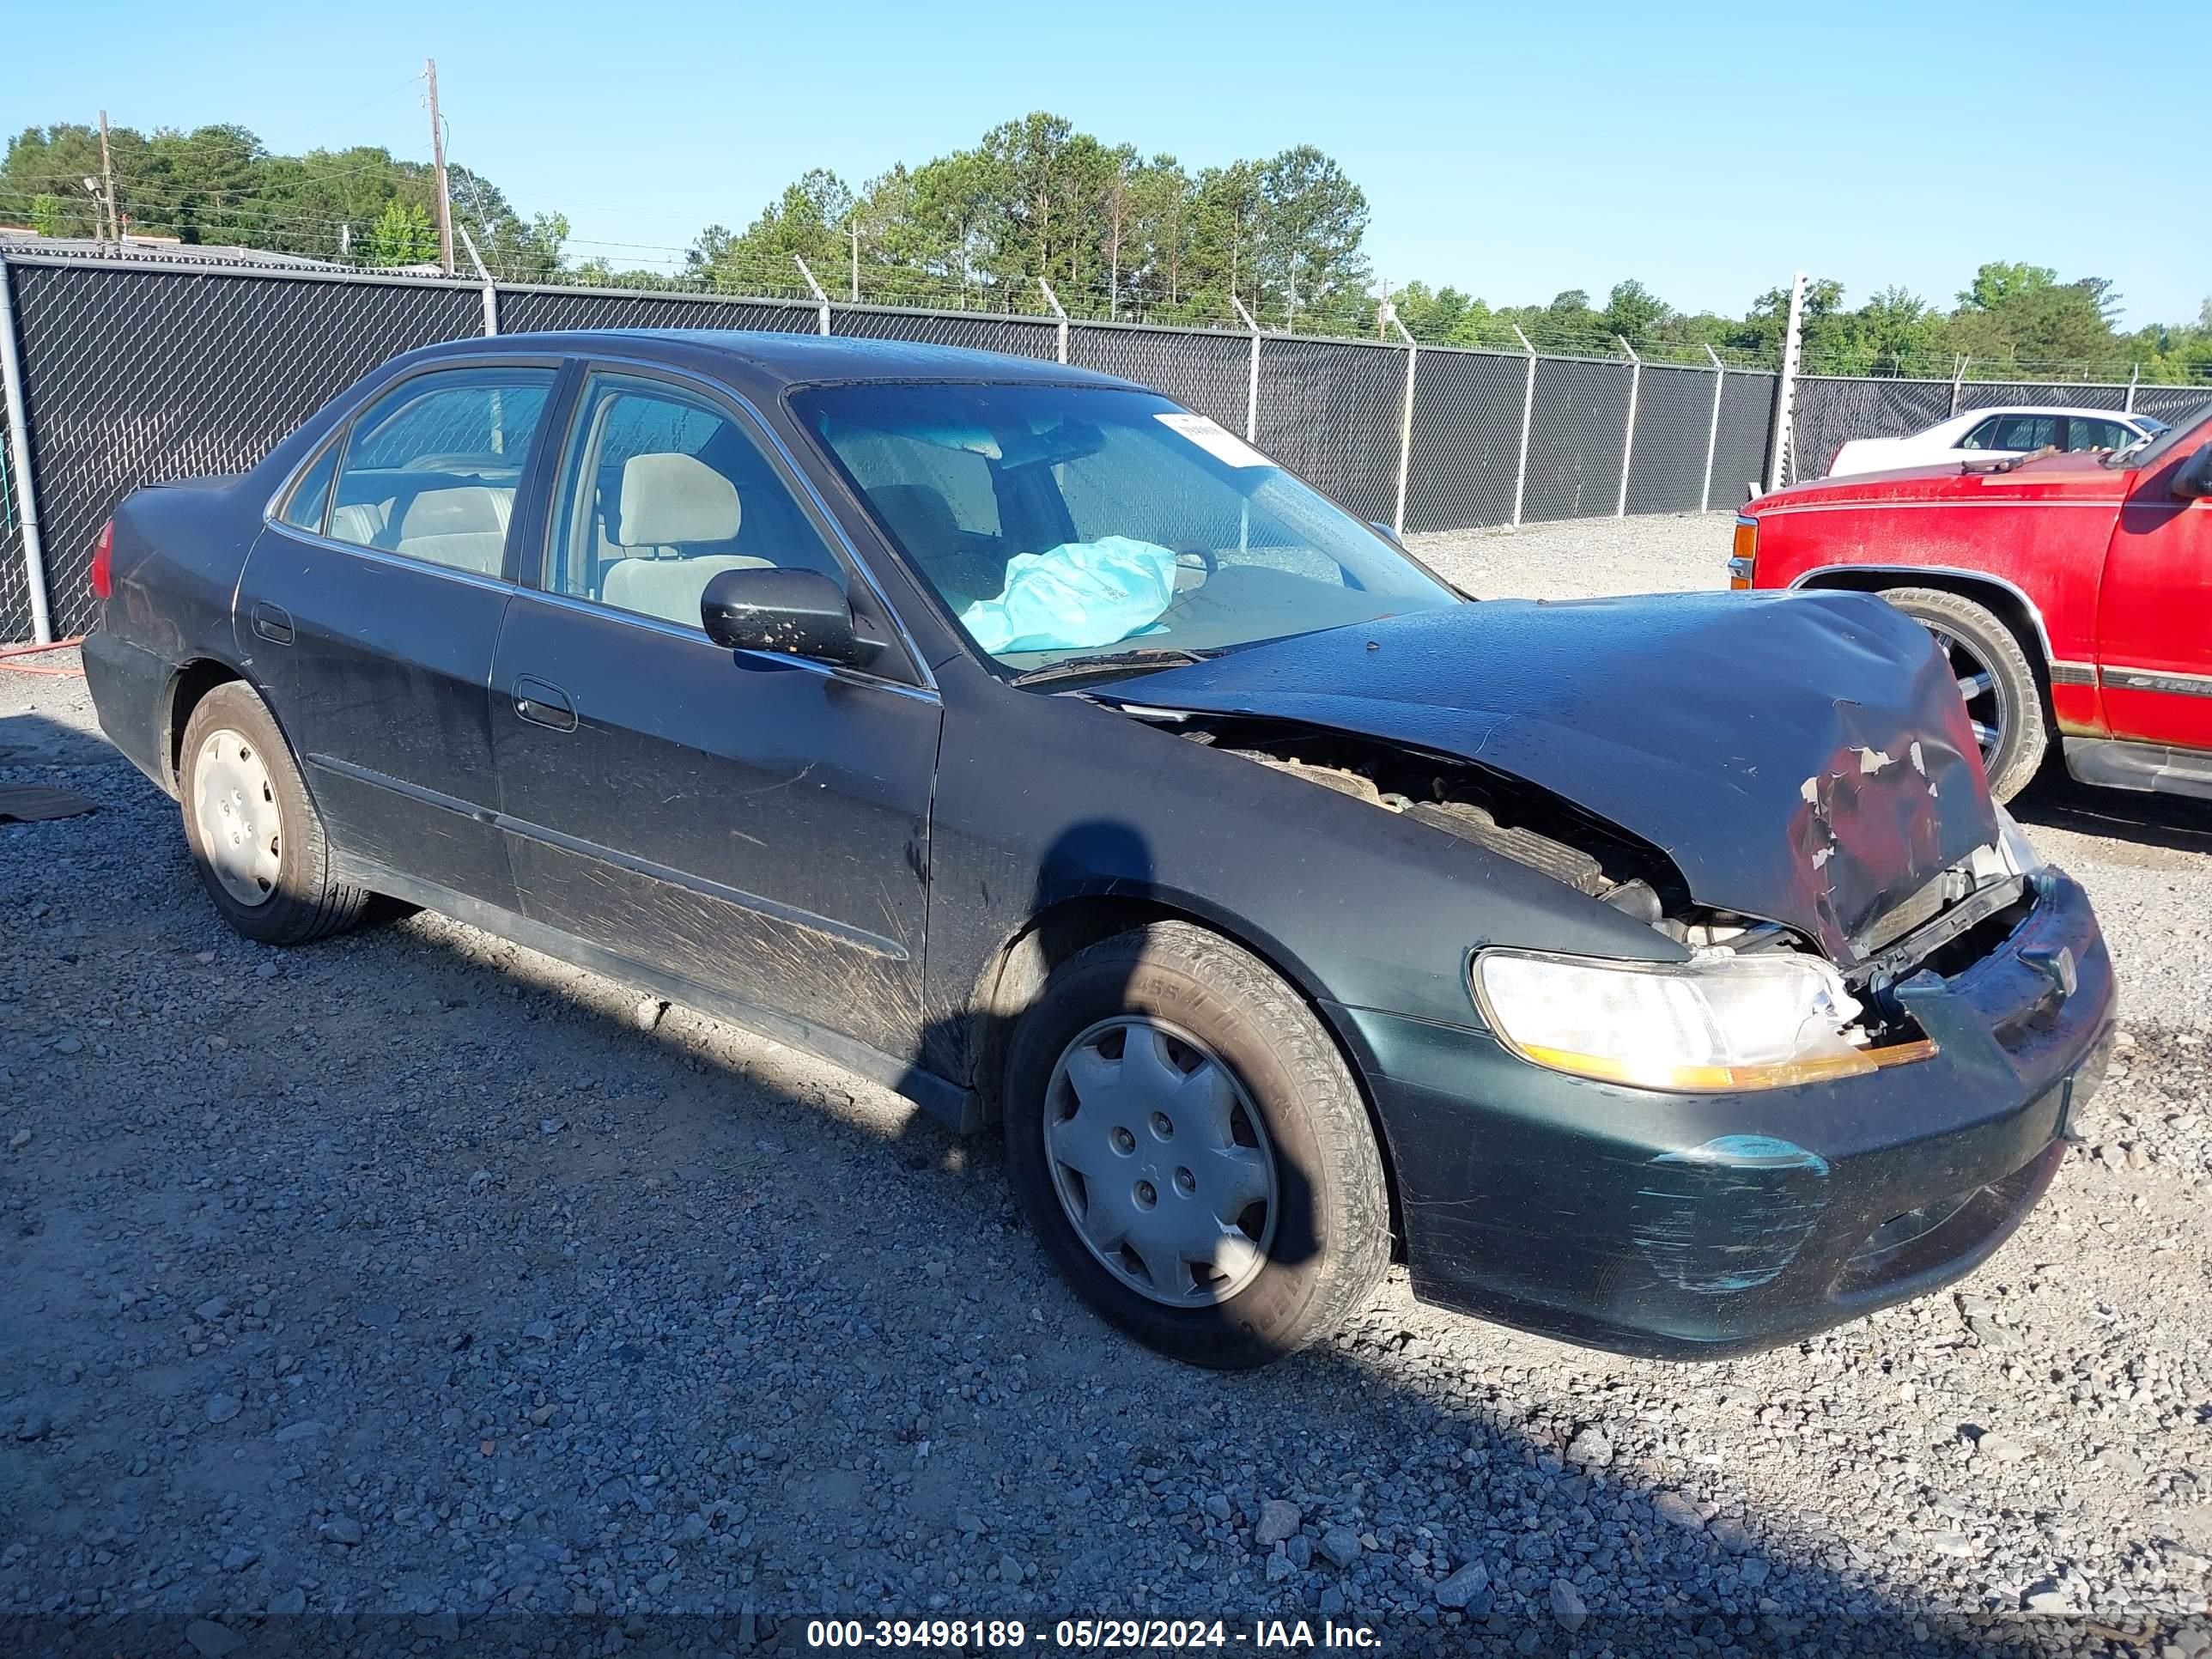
[[1160, 1162], [234, 804], [1984, 696]]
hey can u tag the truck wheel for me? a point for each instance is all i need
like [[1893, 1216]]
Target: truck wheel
[[256, 839], [1186, 1141], [2003, 698]]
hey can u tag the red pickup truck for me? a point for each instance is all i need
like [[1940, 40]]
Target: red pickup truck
[[2073, 594]]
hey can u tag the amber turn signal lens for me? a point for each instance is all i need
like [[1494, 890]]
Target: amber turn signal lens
[[1745, 561]]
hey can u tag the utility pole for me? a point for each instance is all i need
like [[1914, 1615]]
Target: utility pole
[[438, 159], [854, 227], [108, 182], [1785, 399]]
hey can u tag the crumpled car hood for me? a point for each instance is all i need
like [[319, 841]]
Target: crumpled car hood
[[1803, 757]]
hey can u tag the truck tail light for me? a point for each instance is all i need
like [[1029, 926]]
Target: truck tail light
[[103, 553], [1744, 562]]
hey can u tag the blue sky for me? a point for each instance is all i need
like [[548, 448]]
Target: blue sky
[[1708, 150]]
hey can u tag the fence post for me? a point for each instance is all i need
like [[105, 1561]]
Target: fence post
[[1628, 440], [1528, 410], [1785, 396], [821, 299], [490, 290], [1405, 427], [1252, 380], [2135, 374], [1713, 428], [1053, 300], [19, 457]]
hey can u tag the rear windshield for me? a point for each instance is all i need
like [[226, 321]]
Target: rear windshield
[[1055, 522]]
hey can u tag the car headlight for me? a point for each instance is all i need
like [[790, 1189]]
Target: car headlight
[[1717, 1022], [2019, 851]]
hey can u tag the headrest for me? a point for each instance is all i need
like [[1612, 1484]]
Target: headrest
[[668, 501], [460, 510]]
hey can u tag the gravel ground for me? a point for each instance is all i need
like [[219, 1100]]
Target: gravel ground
[[414, 1277]]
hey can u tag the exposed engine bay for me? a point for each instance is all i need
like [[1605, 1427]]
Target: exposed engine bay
[[1946, 926]]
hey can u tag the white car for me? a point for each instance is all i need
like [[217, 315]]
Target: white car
[[1994, 434]]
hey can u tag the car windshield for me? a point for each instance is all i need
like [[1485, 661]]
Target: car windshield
[[2157, 440], [1063, 523]]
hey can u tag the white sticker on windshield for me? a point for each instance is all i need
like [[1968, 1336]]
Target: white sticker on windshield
[[1214, 439]]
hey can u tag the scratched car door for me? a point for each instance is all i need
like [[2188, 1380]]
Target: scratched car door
[[752, 822]]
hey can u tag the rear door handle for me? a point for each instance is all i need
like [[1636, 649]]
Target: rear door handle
[[542, 703], [272, 622]]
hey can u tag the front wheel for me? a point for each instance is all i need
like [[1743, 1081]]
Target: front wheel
[[2004, 699], [1188, 1144]]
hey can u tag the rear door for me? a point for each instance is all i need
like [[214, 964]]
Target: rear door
[[2155, 615], [371, 605], [754, 824]]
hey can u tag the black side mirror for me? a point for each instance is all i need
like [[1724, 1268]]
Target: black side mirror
[[2195, 478], [800, 613]]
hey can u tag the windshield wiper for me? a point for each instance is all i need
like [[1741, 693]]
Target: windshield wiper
[[1109, 662]]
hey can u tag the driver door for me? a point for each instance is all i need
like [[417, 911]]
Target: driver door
[[751, 822], [2155, 613]]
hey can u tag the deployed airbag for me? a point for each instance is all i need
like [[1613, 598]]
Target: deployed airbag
[[1079, 594]]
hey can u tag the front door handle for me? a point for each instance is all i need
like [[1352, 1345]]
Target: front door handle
[[272, 622], [542, 703]]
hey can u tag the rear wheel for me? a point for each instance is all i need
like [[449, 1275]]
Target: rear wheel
[[2003, 698], [256, 838], [1189, 1146]]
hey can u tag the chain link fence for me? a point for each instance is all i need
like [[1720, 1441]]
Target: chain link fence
[[138, 371], [1209, 373], [1830, 410], [129, 378], [15, 619], [1466, 438]]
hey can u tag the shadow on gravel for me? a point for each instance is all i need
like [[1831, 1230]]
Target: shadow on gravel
[[2175, 823], [735, 1308]]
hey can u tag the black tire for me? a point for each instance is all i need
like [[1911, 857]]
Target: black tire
[[2016, 697], [305, 901], [1329, 1243]]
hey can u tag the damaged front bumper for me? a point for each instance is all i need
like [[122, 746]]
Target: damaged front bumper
[[1699, 1226]]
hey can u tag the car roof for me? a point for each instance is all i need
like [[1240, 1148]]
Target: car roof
[[758, 360], [2043, 409]]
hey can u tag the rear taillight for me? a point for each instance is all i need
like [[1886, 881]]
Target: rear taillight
[[1743, 564], [103, 553]]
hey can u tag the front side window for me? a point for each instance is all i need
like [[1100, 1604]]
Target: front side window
[[2085, 433], [661, 491], [432, 466], [1054, 521], [1983, 436]]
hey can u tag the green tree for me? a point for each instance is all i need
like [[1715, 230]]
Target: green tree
[[402, 235], [1633, 311], [1315, 220]]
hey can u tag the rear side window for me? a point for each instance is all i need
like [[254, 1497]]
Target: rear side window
[[2025, 431], [431, 467], [311, 496]]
